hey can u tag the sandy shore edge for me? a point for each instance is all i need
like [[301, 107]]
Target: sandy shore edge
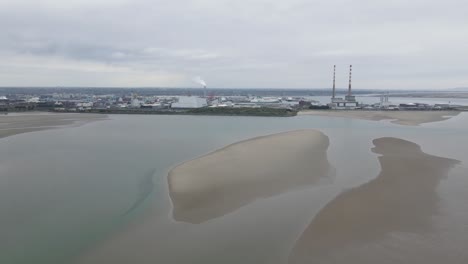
[[408, 118]]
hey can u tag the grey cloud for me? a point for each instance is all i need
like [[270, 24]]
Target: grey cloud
[[258, 43]]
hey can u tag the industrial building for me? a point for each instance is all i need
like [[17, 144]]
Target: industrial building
[[349, 103], [186, 102]]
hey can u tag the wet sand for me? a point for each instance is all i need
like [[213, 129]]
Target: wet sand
[[14, 124], [409, 118], [401, 200], [225, 180]]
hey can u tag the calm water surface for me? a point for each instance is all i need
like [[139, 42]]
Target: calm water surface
[[98, 193]]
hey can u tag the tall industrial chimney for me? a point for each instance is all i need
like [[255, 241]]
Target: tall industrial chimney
[[334, 71], [204, 91], [350, 73]]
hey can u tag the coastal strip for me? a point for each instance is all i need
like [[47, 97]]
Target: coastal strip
[[409, 118], [14, 124], [227, 179], [209, 111]]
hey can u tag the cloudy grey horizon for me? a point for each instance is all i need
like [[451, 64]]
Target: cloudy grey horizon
[[394, 44]]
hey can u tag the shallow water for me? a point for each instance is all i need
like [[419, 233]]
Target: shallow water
[[81, 193]]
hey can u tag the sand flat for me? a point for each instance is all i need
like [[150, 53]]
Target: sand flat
[[409, 118], [402, 199], [227, 179], [14, 124]]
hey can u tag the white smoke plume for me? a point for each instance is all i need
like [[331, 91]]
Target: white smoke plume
[[200, 81]]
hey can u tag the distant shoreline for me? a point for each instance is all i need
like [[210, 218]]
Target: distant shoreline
[[408, 118], [208, 111], [442, 95], [26, 122]]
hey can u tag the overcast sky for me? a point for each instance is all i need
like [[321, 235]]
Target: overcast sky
[[392, 44]]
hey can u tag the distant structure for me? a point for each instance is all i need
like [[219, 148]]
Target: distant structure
[[350, 96], [135, 102], [385, 103], [202, 82], [349, 103], [334, 74], [384, 99], [188, 102]]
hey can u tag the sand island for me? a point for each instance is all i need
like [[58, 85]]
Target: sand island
[[225, 180]]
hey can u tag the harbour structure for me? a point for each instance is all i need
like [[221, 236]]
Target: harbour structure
[[349, 103], [385, 103]]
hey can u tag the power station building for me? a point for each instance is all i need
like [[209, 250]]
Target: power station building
[[349, 102]]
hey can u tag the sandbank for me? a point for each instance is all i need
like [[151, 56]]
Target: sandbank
[[229, 178], [401, 199], [409, 118]]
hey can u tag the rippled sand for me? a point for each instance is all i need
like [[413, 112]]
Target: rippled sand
[[227, 179], [401, 200], [409, 118]]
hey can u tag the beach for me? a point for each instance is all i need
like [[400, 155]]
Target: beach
[[409, 118], [19, 123], [227, 179]]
